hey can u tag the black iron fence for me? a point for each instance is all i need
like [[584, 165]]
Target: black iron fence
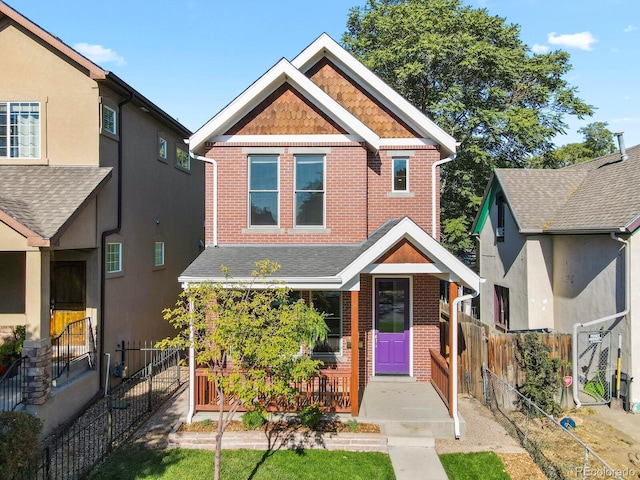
[[74, 343], [73, 451], [11, 386]]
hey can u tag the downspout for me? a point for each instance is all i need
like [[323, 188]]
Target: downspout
[[215, 192], [192, 365], [106, 233], [574, 338], [433, 190], [453, 364]]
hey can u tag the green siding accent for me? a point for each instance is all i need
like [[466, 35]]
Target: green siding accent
[[486, 206]]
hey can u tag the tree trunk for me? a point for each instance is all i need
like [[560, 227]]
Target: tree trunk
[[216, 474]]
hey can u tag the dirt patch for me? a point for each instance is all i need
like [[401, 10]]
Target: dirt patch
[[521, 466], [282, 426]]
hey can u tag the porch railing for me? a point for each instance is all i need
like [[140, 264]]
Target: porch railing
[[440, 375], [11, 386], [330, 390], [74, 343]]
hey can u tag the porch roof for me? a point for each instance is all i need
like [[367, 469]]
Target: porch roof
[[38, 201], [331, 267]]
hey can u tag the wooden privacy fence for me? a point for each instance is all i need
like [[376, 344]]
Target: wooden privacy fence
[[330, 390]]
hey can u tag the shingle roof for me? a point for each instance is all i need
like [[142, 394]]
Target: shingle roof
[[319, 260], [43, 198], [599, 195]]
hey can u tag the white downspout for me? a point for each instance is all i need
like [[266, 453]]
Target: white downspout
[[453, 366], [574, 338], [433, 191], [192, 367], [215, 192]]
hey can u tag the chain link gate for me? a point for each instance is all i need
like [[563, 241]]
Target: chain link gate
[[595, 370]]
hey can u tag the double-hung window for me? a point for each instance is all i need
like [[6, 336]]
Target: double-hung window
[[182, 159], [309, 190], [162, 148], [114, 257], [401, 174], [158, 254], [263, 191], [329, 304], [20, 129], [500, 204]]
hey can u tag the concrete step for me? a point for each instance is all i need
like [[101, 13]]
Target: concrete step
[[76, 368], [393, 379]]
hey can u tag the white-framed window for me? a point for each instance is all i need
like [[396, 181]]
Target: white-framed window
[[162, 148], [264, 194], [158, 254], [400, 174], [330, 304], [309, 195], [109, 120], [114, 257], [19, 129], [182, 159]]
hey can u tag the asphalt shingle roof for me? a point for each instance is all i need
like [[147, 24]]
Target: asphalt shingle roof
[[601, 194], [43, 198]]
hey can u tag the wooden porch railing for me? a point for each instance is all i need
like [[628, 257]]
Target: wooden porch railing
[[330, 390], [440, 375]]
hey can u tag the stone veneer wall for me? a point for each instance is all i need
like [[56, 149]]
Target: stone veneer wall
[[37, 382]]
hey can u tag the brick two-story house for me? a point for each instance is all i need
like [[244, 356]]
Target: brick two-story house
[[100, 211], [323, 168]]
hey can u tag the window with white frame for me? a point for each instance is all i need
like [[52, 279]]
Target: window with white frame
[[109, 120], [20, 129], [182, 159], [263, 191], [158, 254], [329, 303], [309, 190], [500, 204], [162, 148], [401, 174], [114, 257]]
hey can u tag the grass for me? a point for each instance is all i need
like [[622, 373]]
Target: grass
[[474, 466], [182, 464]]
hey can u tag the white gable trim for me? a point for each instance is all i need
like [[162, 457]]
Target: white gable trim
[[280, 73], [325, 46]]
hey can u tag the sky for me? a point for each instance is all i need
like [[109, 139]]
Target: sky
[[193, 57]]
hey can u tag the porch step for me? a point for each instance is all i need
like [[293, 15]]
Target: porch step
[[408, 435], [393, 379], [76, 368]]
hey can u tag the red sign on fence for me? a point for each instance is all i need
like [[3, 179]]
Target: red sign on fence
[[568, 380]]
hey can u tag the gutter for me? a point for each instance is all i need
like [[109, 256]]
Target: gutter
[[453, 348], [192, 365], [215, 192], [106, 233], [433, 190], [574, 334]]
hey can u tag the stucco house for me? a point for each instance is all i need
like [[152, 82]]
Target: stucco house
[[559, 251], [100, 210], [323, 168]]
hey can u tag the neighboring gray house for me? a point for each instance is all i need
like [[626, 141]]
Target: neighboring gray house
[[559, 250]]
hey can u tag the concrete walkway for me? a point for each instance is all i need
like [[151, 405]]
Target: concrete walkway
[[411, 415]]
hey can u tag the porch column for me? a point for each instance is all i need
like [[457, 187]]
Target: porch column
[[355, 355], [453, 294]]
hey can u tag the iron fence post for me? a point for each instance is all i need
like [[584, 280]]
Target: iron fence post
[[109, 423], [150, 392]]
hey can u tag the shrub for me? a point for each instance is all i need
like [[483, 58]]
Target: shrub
[[310, 416], [352, 425], [19, 443], [253, 419]]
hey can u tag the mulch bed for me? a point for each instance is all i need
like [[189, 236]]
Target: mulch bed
[[329, 426]]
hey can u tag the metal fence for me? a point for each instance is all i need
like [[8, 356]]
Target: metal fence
[[73, 451], [11, 386], [559, 454]]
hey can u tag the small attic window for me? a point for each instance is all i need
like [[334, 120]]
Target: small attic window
[[500, 204]]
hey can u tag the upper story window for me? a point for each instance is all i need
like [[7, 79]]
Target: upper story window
[[329, 304], [263, 190], [400, 174], [114, 257], [501, 307], [20, 129], [158, 254], [109, 120], [309, 191], [182, 159], [162, 148], [500, 204]]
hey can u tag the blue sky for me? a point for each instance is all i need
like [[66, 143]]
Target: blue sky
[[192, 57]]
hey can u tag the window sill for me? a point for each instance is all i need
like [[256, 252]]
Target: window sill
[[330, 357], [163, 160], [182, 169], [400, 194], [263, 230], [114, 274], [158, 267], [308, 230]]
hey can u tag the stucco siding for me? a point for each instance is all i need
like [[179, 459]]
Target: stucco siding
[[539, 271], [633, 338]]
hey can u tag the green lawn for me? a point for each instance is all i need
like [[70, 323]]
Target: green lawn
[[474, 466], [182, 464]]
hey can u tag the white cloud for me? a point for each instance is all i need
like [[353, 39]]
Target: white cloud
[[630, 28], [540, 48], [582, 41], [99, 54]]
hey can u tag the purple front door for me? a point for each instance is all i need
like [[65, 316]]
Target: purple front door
[[392, 326]]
